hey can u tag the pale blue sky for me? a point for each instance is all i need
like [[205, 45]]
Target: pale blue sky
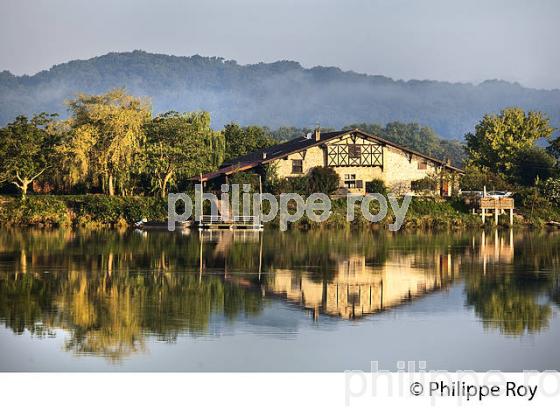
[[452, 40]]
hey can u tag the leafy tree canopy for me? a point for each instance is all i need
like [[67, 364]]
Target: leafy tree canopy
[[106, 133], [533, 164], [499, 139], [26, 150], [243, 140], [180, 145]]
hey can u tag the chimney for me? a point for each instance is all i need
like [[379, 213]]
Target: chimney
[[317, 134]]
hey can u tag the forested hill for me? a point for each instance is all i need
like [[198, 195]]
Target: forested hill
[[276, 94]]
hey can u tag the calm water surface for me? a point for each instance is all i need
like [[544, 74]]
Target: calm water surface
[[292, 301]]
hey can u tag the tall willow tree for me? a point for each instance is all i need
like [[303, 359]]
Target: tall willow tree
[[106, 133], [179, 146]]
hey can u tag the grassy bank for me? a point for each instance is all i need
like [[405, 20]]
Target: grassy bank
[[80, 210], [103, 211]]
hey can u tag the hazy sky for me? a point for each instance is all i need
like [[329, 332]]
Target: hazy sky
[[453, 40]]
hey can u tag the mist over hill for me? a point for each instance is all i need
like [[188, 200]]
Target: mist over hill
[[276, 94]]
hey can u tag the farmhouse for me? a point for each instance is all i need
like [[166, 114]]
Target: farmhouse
[[356, 156]]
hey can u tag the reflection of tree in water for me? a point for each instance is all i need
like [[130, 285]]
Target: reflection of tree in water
[[110, 314], [515, 298], [509, 302]]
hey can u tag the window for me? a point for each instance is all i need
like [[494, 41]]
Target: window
[[295, 284], [297, 166], [354, 151], [353, 296], [422, 164], [351, 182]]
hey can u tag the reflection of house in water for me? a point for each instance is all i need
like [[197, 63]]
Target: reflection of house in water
[[358, 289]]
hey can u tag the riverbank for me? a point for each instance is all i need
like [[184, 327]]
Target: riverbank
[[93, 211], [89, 211]]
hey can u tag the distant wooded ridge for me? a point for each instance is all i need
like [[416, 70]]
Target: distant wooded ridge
[[275, 95]]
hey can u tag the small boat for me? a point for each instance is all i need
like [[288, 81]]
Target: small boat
[[146, 225]]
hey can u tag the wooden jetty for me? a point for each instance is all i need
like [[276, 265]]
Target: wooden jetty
[[225, 220], [497, 207]]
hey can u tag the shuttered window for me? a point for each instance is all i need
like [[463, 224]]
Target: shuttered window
[[354, 151], [297, 166]]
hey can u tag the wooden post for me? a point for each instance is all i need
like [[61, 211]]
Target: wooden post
[[496, 216], [483, 215], [201, 201], [260, 199], [511, 216]]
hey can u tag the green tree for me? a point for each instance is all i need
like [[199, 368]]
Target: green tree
[[180, 145], [532, 163], [26, 150], [106, 133], [499, 139], [243, 140], [554, 148]]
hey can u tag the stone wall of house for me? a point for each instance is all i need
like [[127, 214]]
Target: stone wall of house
[[400, 169], [313, 157]]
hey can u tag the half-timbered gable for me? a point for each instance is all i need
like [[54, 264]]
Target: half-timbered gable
[[353, 150]]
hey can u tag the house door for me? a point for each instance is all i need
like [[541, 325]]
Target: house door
[[444, 188]]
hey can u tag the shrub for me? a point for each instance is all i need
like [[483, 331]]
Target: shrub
[[376, 186], [551, 190], [298, 185], [107, 210], [535, 206], [324, 180], [476, 180], [424, 184], [35, 210]]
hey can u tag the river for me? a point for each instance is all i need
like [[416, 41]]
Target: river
[[74, 300]]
